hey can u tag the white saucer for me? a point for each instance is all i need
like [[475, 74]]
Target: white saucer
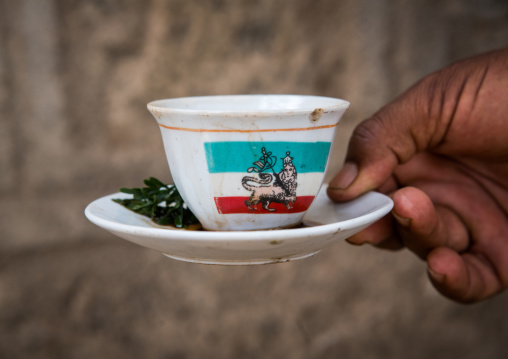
[[327, 222]]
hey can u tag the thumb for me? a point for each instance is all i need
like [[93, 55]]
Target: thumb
[[420, 119], [391, 137]]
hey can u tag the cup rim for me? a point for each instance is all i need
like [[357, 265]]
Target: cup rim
[[335, 104]]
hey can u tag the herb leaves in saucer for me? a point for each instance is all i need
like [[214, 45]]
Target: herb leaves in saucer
[[160, 202]]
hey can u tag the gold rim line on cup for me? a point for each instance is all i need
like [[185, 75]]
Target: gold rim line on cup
[[244, 131]]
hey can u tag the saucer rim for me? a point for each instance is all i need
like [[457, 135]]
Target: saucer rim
[[182, 234]]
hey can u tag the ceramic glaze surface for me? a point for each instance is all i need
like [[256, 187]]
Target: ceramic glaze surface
[[249, 161], [325, 223]]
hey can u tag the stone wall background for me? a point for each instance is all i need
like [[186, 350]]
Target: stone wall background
[[75, 77]]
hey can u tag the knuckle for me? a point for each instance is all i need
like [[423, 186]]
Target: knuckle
[[369, 130]]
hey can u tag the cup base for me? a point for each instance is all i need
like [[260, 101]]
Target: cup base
[[242, 262]]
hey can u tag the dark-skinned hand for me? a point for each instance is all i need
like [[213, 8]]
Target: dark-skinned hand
[[440, 150]]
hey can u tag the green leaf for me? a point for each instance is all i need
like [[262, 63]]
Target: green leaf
[[164, 221], [156, 182], [179, 218], [160, 202]]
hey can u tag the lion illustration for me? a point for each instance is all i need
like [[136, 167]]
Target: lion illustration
[[267, 188]]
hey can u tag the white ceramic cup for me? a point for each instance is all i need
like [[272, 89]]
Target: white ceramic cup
[[248, 162]]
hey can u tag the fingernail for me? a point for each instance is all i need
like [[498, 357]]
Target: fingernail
[[345, 177], [404, 222], [438, 277]]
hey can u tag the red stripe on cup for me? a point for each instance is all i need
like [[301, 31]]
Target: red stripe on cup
[[230, 205]]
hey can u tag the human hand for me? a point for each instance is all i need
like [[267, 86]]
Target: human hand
[[440, 151]]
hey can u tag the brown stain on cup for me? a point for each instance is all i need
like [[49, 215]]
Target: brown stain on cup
[[316, 115], [155, 112]]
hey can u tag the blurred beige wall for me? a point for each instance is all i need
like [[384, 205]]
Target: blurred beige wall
[[75, 77]]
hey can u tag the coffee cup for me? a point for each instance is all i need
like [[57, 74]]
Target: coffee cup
[[248, 162]]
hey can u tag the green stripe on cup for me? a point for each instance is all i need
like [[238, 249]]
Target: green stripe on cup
[[240, 156]]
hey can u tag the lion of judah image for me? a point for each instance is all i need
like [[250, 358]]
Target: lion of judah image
[[276, 187]]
